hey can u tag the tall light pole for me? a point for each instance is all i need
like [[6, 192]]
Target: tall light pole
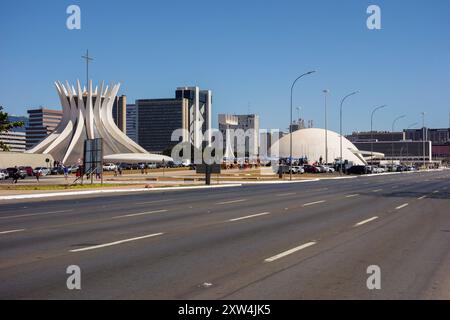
[[326, 92], [423, 137], [393, 125], [340, 129], [371, 131], [407, 144], [290, 125]]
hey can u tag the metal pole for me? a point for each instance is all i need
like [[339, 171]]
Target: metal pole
[[423, 138], [371, 131], [340, 128], [407, 144], [392, 134], [326, 91], [290, 124]]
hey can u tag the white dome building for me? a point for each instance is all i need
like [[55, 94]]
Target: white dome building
[[310, 143]]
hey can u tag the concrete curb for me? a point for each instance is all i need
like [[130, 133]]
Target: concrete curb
[[88, 192]]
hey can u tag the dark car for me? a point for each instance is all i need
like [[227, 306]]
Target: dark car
[[28, 170], [13, 171], [311, 169], [357, 170], [56, 171], [125, 166]]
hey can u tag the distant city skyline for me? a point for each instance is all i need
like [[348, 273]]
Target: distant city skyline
[[247, 54]]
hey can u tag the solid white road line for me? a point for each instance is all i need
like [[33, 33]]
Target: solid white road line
[[103, 191], [352, 195], [155, 201], [291, 251], [138, 214], [286, 194], [402, 206], [313, 203], [12, 231], [116, 243], [249, 217], [36, 214], [231, 201], [421, 198], [365, 221]]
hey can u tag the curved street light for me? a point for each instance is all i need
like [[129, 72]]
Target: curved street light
[[393, 124], [340, 130], [371, 131], [290, 124]]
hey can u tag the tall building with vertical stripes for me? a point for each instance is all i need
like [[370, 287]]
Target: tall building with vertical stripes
[[41, 123]]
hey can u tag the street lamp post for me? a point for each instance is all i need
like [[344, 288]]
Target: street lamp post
[[393, 125], [407, 144], [290, 125], [371, 131], [423, 138], [340, 130], [326, 92]]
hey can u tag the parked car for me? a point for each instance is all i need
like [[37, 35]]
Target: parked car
[[299, 170], [43, 171], [311, 169], [28, 169], [56, 170], [327, 169], [125, 166], [357, 170], [109, 167], [5, 173], [293, 170], [73, 169], [151, 166], [13, 171], [2, 175]]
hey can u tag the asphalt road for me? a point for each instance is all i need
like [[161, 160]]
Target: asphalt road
[[310, 240]]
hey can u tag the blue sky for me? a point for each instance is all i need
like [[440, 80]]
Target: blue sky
[[248, 52]]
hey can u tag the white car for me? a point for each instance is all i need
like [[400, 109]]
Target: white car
[[327, 169], [2, 175], [298, 170], [109, 167], [43, 171]]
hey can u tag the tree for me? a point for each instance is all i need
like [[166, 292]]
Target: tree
[[6, 125]]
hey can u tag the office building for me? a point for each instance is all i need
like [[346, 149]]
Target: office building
[[41, 122], [436, 136], [240, 134], [119, 111], [14, 140], [131, 121], [376, 136], [157, 119]]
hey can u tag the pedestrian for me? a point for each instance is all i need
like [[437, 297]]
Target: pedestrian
[[66, 172], [38, 174]]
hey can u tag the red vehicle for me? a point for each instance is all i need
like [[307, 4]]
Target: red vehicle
[[29, 170], [310, 169]]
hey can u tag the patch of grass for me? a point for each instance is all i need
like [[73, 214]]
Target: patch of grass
[[61, 186]]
